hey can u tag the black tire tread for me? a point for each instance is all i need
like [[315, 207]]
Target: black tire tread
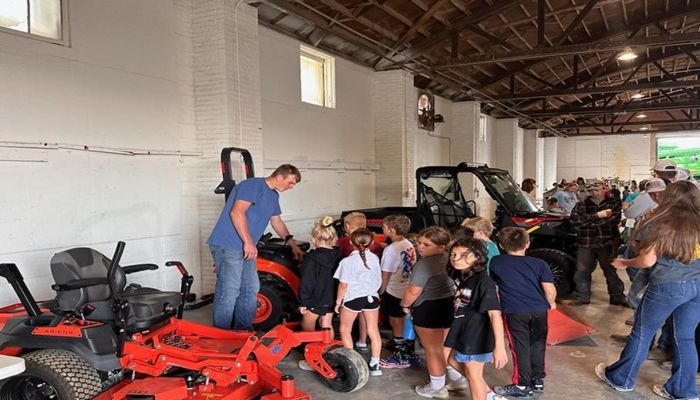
[[357, 363], [569, 266], [73, 375]]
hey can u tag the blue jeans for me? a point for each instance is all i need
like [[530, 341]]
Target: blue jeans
[[237, 286], [682, 299]]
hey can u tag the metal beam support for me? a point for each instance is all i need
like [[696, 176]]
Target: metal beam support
[[581, 15], [612, 110], [566, 50], [600, 89], [540, 23]]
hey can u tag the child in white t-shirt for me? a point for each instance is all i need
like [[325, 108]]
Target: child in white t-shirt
[[397, 263], [358, 292]]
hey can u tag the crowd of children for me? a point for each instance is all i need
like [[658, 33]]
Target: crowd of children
[[462, 297]]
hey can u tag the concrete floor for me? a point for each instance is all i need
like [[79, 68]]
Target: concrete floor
[[569, 366]]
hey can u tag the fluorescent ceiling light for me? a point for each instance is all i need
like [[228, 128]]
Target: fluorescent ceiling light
[[626, 55], [637, 96], [642, 115], [644, 128]]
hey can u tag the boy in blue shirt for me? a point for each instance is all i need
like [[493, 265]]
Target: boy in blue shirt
[[527, 292]]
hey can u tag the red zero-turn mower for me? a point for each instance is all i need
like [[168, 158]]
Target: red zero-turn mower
[[103, 339]]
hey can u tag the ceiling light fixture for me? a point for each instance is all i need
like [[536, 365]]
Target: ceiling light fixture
[[637, 96], [642, 115], [644, 128], [627, 55]]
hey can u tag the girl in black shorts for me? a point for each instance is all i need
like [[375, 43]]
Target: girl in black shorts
[[360, 277], [317, 286], [430, 295]]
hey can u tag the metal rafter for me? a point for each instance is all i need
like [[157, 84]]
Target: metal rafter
[[572, 49], [629, 30]]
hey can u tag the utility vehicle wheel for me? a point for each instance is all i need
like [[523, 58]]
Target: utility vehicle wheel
[[562, 266], [275, 303], [351, 370], [55, 375]]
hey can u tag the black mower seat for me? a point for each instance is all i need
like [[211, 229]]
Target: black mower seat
[[147, 306]]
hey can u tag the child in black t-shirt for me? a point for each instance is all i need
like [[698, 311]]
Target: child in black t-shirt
[[476, 334], [527, 292]]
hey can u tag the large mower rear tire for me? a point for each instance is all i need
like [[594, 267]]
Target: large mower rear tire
[[562, 266], [352, 372], [276, 303], [52, 374]]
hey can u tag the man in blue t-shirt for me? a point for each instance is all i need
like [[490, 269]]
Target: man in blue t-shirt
[[527, 292], [250, 206]]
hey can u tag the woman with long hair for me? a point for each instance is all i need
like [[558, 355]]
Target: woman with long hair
[[669, 242]]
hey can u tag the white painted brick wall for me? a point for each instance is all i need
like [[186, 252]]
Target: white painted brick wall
[[226, 102], [609, 156]]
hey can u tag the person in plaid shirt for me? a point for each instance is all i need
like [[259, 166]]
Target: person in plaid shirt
[[596, 221]]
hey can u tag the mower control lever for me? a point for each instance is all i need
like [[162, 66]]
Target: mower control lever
[[130, 269], [179, 265]]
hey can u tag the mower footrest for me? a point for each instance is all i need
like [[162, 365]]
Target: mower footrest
[[156, 388]]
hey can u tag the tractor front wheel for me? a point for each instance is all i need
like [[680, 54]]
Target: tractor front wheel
[[52, 374], [351, 370]]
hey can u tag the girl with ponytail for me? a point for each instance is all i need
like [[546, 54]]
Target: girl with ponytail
[[360, 277], [317, 286]]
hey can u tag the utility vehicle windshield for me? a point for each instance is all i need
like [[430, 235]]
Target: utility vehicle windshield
[[511, 194]]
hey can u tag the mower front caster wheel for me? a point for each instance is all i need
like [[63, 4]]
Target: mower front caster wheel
[[52, 374], [351, 370]]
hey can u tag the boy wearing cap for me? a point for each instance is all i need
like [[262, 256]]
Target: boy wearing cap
[[596, 220]]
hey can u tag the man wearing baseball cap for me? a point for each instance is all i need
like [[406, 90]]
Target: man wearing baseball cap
[[596, 220]]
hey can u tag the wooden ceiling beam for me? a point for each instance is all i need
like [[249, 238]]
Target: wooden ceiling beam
[[418, 24], [421, 46], [579, 18], [336, 6]]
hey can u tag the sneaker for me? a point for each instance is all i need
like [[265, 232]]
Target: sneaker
[[394, 344], [394, 362], [375, 370], [523, 392], [538, 385], [414, 359], [600, 373], [361, 347], [491, 395], [459, 384], [429, 392], [303, 365], [660, 391]]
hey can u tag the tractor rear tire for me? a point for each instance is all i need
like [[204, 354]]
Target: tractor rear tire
[[53, 374], [276, 304], [352, 372], [562, 266]]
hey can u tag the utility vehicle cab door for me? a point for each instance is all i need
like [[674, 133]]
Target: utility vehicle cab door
[[440, 199]]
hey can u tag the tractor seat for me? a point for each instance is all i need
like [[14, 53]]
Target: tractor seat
[[147, 306]]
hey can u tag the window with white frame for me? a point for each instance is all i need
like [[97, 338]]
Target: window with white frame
[[40, 19], [317, 73]]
